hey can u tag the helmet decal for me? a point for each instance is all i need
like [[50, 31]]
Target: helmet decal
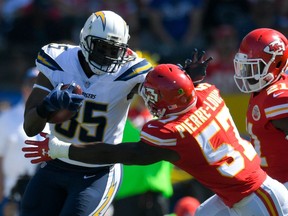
[[261, 59], [180, 91], [168, 90], [100, 15], [256, 113], [104, 41], [277, 47], [153, 96]]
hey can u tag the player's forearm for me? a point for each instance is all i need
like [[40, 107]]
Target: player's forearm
[[93, 153], [102, 153], [33, 123], [132, 153]]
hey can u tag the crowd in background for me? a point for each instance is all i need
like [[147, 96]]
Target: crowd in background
[[168, 28]]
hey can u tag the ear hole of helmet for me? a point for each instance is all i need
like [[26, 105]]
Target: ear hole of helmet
[[184, 99]]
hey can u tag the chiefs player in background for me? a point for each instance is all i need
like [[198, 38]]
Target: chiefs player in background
[[195, 132], [260, 66]]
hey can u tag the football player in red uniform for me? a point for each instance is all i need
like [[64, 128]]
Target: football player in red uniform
[[260, 66], [194, 131]]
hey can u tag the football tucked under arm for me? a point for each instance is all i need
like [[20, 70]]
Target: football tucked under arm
[[61, 104], [60, 116]]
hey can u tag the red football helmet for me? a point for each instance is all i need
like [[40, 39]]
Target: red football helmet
[[168, 90], [261, 59]]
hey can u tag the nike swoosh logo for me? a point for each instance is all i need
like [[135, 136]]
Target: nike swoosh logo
[[87, 177], [276, 95], [152, 126]]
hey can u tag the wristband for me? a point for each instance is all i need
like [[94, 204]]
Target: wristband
[[58, 149], [42, 111]]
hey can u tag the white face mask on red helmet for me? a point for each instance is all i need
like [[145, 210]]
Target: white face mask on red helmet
[[168, 90], [261, 59], [104, 41]]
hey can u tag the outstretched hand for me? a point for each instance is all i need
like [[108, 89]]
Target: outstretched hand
[[38, 151], [196, 67]]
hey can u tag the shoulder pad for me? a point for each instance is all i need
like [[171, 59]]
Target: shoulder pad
[[139, 68]]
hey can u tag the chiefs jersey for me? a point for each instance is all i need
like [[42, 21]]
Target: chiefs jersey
[[210, 147], [103, 114], [269, 104]]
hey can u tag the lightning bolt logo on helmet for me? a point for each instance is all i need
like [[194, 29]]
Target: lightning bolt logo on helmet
[[104, 29], [101, 15]]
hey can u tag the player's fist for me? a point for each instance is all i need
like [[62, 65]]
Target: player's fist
[[60, 99]]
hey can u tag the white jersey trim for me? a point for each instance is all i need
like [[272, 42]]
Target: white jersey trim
[[158, 141], [41, 87], [276, 110]]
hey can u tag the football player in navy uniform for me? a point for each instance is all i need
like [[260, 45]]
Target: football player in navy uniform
[[109, 74]]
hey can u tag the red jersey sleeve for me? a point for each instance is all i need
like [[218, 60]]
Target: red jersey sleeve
[[276, 104], [209, 146]]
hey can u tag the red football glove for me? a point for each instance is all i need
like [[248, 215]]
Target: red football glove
[[38, 150]]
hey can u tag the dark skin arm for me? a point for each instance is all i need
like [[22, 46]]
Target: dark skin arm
[[33, 123], [281, 124], [133, 92], [133, 153]]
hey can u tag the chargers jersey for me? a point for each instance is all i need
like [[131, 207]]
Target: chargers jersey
[[270, 143], [103, 114], [210, 147]]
